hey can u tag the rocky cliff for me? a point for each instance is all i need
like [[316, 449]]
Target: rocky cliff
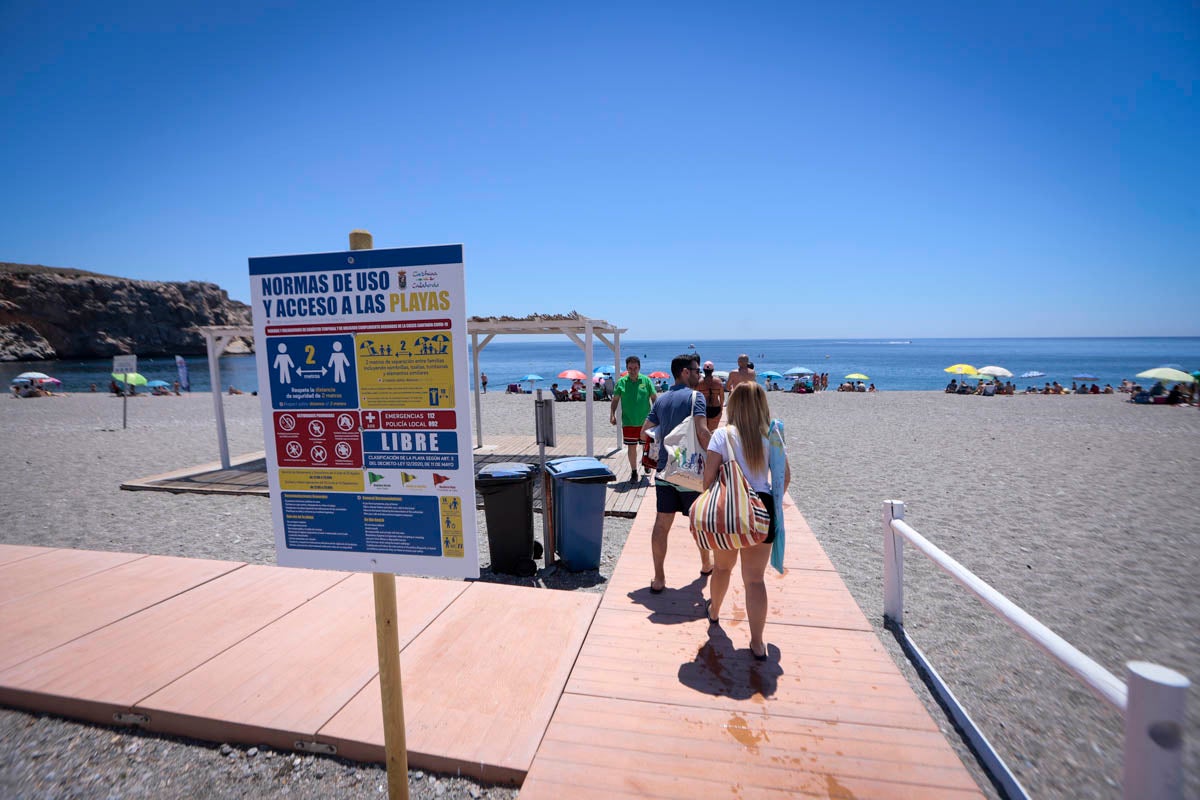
[[51, 312]]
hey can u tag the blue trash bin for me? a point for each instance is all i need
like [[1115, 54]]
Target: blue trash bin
[[578, 517], [551, 494]]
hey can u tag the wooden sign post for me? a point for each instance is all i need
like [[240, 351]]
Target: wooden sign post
[[362, 376], [388, 640]]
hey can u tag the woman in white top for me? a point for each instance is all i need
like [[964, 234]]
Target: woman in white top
[[744, 438]]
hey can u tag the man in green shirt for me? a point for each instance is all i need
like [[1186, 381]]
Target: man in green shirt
[[635, 394]]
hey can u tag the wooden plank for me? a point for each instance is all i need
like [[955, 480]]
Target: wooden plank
[[801, 597], [283, 683], [632, 749], [111, 669], [50, 568], [17, 552], [819, 674], [246, 460], [36, 623], [813, 595], [480, 684]]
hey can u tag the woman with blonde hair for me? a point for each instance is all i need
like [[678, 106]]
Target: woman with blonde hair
[[744, 438]]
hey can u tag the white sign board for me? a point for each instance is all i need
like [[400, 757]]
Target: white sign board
[[362, 373], [124, 365]]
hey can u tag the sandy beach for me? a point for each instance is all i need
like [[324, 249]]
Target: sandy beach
[[1081, 509]]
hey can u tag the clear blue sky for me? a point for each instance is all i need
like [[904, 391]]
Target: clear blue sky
[[754, 169]]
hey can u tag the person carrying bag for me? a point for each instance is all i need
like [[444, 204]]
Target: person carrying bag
[[679, 417], [729, 514], [738, 487]]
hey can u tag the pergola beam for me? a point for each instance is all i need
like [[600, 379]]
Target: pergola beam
[[578, 329]]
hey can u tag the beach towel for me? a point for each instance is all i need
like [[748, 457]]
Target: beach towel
[[777, 462]]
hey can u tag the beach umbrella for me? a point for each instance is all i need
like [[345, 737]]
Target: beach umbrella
[[55, 381], [133, 378], [997, 372], [572, 374], [857, 376], [1084, 376], [156, 384], [770, 374], [33, 376], [961, 369], [1033, 373], [1166, 374], [658, 374], [603, 369], [794, 371]]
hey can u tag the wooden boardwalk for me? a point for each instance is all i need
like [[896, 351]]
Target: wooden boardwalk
[[662, 705], [567, 693], [230, 652], [248, 473]]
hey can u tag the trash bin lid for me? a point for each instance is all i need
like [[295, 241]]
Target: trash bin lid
[[563, 465], [587, 470], [504, 472]]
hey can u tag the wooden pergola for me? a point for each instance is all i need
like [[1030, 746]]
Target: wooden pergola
[[217, 339], [582, 330]]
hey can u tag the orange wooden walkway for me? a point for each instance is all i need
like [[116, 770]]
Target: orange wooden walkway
[[231, 652], [628, 695], [661, 705]]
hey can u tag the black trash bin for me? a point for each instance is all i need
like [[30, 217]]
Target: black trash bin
[[507, 491]]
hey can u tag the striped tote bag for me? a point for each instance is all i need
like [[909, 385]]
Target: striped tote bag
[[728, 515]]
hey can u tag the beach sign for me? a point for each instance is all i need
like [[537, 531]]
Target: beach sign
[[362, 369], [124, 365]]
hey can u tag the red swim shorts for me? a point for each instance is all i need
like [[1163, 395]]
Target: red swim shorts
[[631, 434]]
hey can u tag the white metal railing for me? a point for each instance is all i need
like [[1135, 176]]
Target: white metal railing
[[1151, 698]]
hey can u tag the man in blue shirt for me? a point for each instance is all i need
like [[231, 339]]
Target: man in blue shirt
[[672, 408]]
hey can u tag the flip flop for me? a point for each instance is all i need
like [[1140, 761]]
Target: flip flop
[[711, 621], [659, 590], [702, 572], [757, 657]]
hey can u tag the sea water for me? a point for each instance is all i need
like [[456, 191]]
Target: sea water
[[897, 364]]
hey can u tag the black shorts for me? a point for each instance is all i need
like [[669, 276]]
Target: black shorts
[[670, 500], [712, 413], [769, 501]]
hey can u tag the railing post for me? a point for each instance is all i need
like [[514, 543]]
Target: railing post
[[893, 564], [1154, 716]]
